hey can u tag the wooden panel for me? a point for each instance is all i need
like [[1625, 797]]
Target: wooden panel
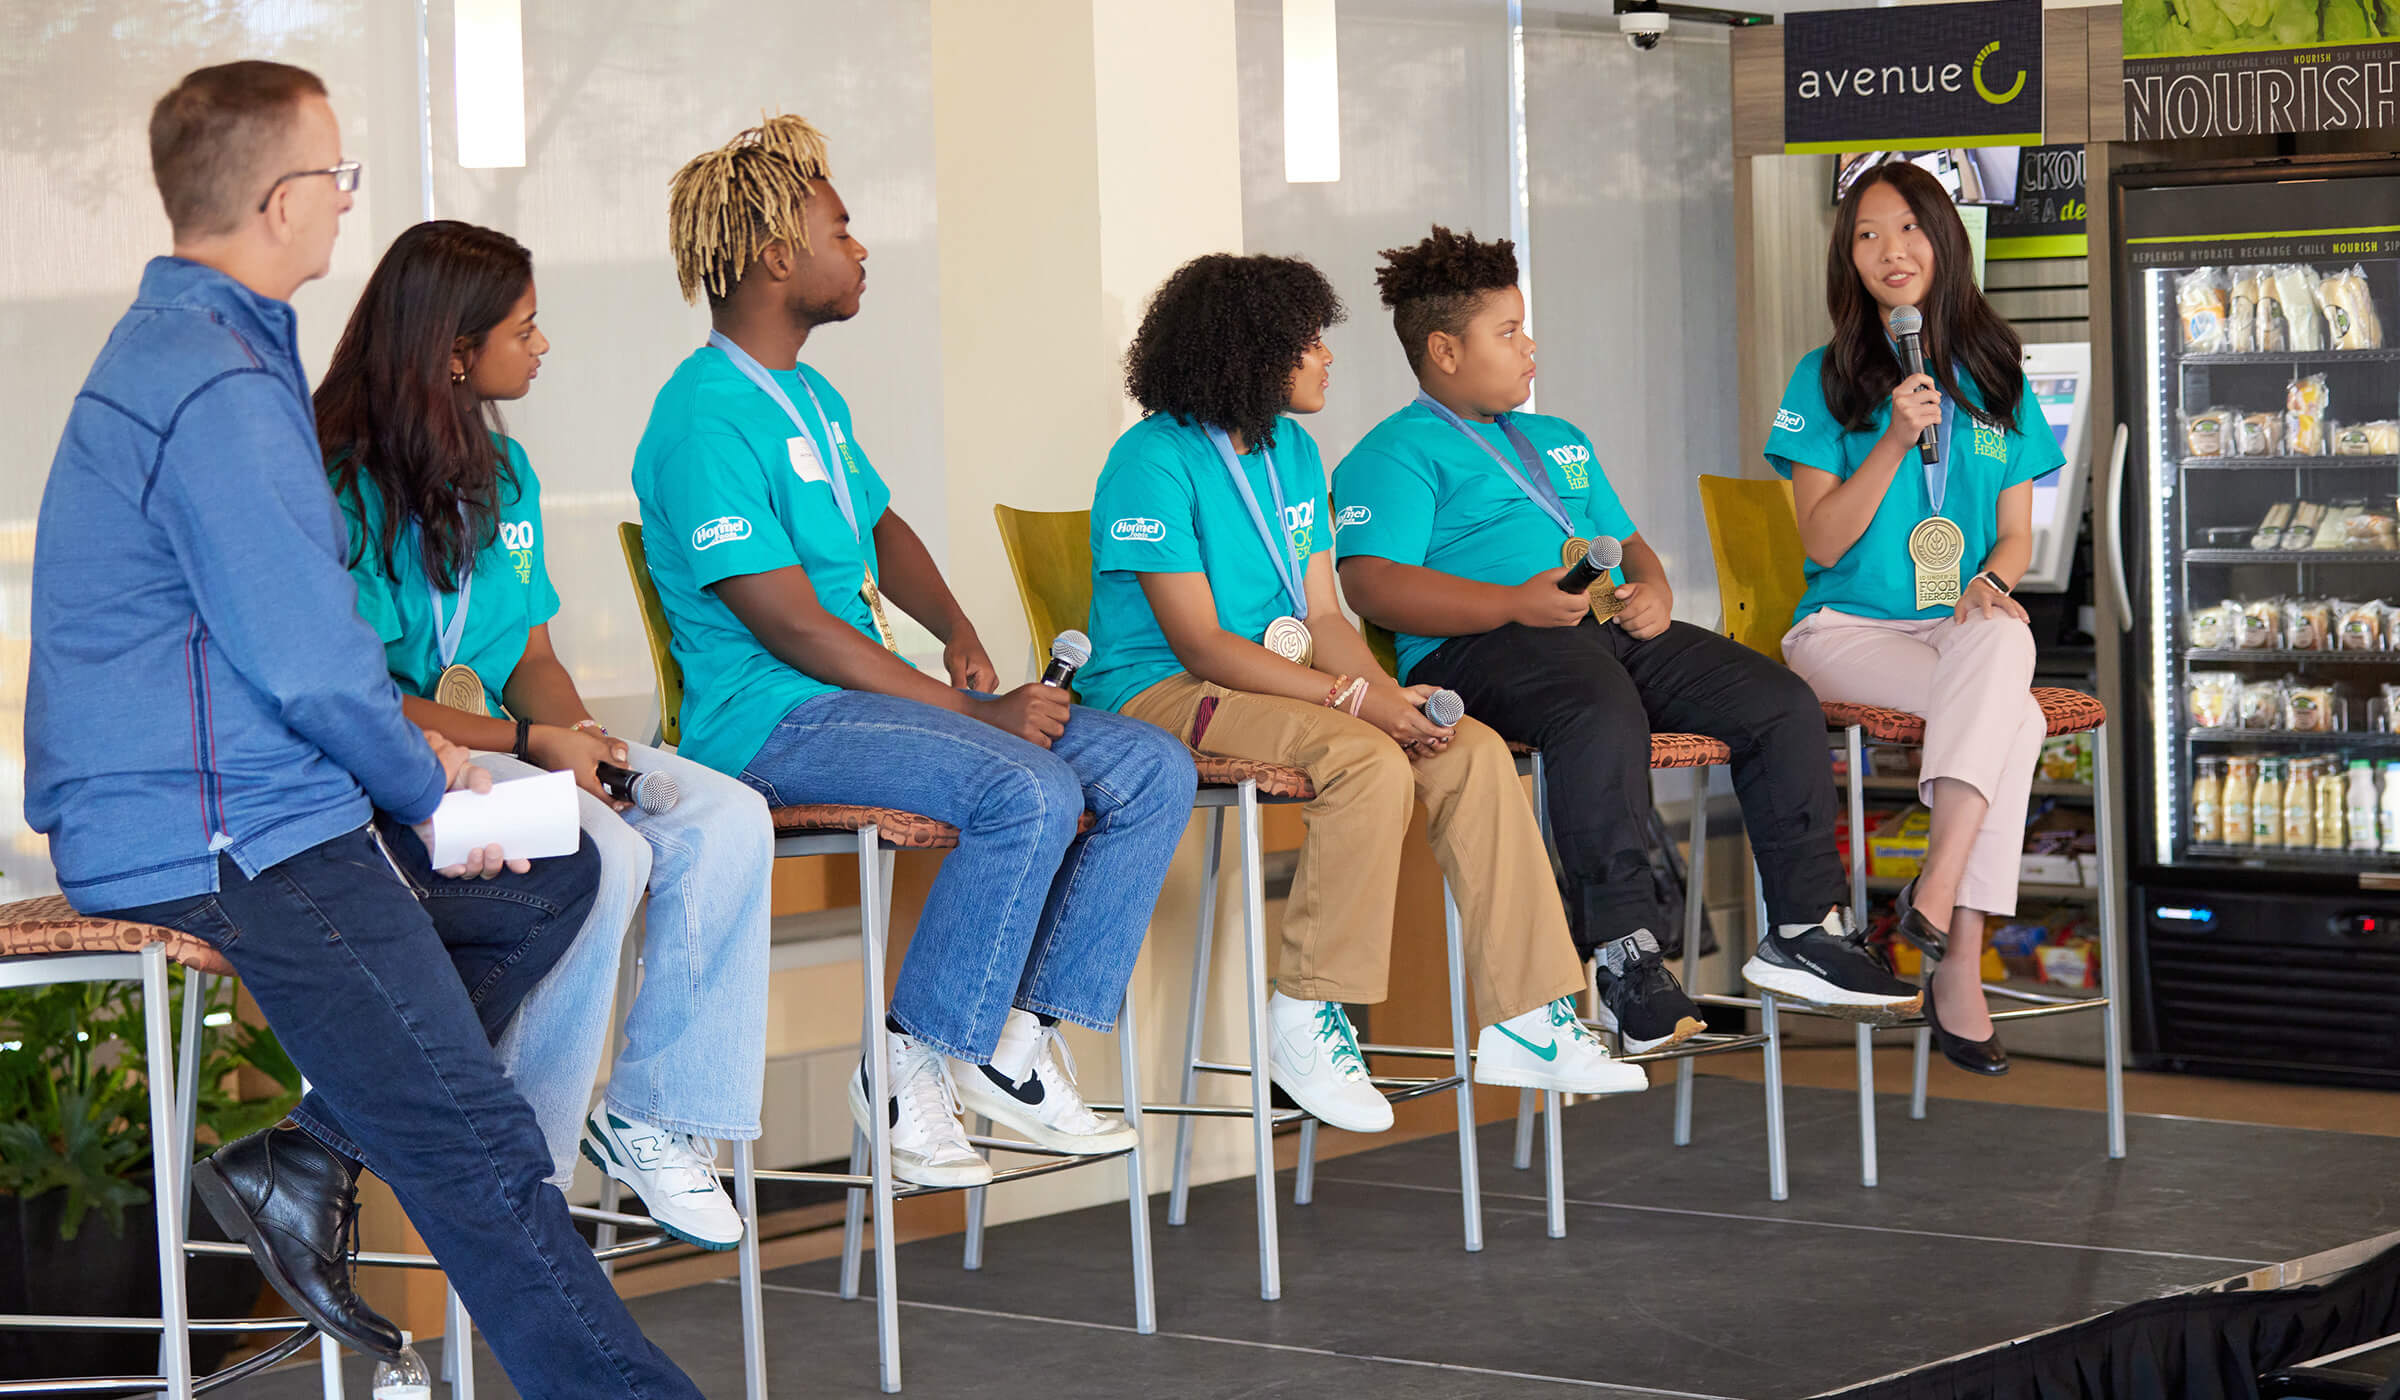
[[2051, 304], [2066, 77], [1783, 219], [1757, 91], [2005, 274], [2104, 42]]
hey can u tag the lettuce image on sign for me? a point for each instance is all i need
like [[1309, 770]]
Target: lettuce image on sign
[[2260, 67]]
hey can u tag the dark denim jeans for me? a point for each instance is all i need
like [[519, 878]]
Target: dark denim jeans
[[388, 984]]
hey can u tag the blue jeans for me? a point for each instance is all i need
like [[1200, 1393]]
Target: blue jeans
[[1025, 912], [387, 985], [696, 1035]]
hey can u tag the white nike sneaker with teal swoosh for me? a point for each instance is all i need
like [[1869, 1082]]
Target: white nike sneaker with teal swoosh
[[674, 1174], [1312, 1055], [1549, 1048]]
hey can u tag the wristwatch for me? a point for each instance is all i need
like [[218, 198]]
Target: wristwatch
[[1987, 576]]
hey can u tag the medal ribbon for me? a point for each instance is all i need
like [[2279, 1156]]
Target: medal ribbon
[[1277, 540], [758, 374], [1534, 482]]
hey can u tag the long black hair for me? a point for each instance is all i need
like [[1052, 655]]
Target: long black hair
[[1221, 338], [388, 411], [1962, 331]]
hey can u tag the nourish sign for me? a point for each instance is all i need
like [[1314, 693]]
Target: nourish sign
[[1913, 77]]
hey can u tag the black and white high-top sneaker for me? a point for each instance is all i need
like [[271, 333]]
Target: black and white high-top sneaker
[[1639, 997]]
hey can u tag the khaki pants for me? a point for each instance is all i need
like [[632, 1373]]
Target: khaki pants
[[1337, 927]]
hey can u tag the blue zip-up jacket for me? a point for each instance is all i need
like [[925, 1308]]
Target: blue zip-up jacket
[[201, 680]]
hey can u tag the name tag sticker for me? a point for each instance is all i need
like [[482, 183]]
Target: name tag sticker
[[805, 461]]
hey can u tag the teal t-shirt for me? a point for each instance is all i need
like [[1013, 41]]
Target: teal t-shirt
[[1415, 491], [1166, 505], [511, 594], [1875, 578], [728, 486]]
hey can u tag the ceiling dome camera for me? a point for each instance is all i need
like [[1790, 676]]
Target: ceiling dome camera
[[1643, 28]]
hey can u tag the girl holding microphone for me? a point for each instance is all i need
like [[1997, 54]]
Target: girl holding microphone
[[1911, 558]]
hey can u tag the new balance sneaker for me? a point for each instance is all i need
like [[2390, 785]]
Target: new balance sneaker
[[1640, 999], [929, 1147], [1830, 964], [1030, 1087], [675, 1174], [1550, 1048], [1312, 1055]]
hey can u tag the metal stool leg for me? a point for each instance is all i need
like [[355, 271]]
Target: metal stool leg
[[1855, 789], [1262, 1125], [612, 1192], [2112, 949], [874, 898], [1211, 860], [1462, 1064], [1695, 912], [1526, 1098], [1554, 1164], [1304, 1172], [458, 1348], [1866, 1105], [169, 1175], [754, 1303], [1137, 1182], [972, 1254], [1779, 1184], [329, 1367], [186, 1076], [1924, 1057], [1523, 1158], [854, 1212]]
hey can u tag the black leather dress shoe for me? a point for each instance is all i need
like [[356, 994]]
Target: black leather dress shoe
[[294, 1202], [1974, 1056], [1918, 930]]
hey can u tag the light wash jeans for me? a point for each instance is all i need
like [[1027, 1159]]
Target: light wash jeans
[[696, 1036], [1025, 912]]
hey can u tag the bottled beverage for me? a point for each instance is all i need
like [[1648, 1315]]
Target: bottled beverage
[[2329, 803], [403, 1377], [2362, 805], [2208, 795], [2241, 775], [2391, 806], [2300, 806], [2266, 804]]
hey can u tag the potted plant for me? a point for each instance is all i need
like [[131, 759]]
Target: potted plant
[[77, 1230]]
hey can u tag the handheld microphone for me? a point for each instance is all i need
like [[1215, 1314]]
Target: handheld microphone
[[1908, 333], [1068, 651], [652, 792], [1606, 554], [1445, 708]]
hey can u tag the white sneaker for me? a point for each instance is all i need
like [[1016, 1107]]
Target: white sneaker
[[1549, 1048], [1312, 1055], [1030, 1086], [929, 1148], [675, 1174]]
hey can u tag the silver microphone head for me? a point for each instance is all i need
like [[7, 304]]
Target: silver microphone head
[[1906, 321], [1607, 552], [1444, 707], [1072, 647], [656, 792]]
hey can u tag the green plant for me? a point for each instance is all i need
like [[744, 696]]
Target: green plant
[[74, 1095]]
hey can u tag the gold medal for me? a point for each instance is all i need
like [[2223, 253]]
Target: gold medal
[[1936, 546], [874, 597], [1602, 595], [1288, 637], [461, 689]]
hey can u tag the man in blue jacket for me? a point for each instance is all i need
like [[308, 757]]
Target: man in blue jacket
[[213, 745]]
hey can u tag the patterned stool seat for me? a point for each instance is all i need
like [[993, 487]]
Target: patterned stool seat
[[49, 926], [2065, 711], [1667, 751], [907, 830]]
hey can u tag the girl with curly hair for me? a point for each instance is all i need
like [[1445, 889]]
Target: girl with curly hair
[[1214, 617]]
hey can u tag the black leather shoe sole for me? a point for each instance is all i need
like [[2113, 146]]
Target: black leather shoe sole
[[226, 1208]]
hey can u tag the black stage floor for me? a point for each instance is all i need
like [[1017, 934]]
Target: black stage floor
[[1678, 1277]]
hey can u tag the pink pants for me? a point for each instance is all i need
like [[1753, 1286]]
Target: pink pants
[[1971, 681]]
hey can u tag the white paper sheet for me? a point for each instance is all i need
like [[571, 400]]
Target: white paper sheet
[[527, 817]]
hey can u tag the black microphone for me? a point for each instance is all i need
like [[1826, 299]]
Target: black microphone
[[1068, 651], [1445, 708], [1605, 554], [1907, 331], [652, 792]]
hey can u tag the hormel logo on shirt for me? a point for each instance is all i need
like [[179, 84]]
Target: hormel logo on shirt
[[1351, 515], [1138, 529], [723, 529], [1788, 421], [1574, 459]]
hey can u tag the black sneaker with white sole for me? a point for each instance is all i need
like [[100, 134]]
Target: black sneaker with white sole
[[1831, 965], [1640, 999]]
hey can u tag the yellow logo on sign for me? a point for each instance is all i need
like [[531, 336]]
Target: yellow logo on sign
[[1997, 99]]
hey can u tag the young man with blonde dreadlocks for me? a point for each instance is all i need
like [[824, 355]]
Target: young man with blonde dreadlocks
[[774, 547]]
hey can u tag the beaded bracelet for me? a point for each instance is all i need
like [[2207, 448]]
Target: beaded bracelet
[[1333, 697]]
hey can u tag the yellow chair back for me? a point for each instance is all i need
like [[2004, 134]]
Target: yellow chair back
[[1050, 552], [1385, 646], [1754, 533], [654, 626]]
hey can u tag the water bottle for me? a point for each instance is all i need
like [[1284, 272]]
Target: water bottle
[[2363, 808], [403, 1377]]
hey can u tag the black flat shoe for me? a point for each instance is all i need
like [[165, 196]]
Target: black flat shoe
[[294, 1202], [1934, 943], [1974, 1056]]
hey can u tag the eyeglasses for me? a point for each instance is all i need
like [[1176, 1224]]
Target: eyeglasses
[[345, 178]]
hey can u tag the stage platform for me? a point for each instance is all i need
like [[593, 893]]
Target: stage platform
[[1678, 1276]]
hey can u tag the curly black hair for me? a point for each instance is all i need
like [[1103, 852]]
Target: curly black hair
[[1436, 285], [1221, 338]]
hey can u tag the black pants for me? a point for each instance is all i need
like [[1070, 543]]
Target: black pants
[[1589, 697]]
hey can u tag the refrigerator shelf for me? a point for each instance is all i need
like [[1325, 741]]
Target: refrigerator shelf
[[2307, 859], [2297, 357], [2286, 739], [2286, 658], [2291, 556], [2235, 464]]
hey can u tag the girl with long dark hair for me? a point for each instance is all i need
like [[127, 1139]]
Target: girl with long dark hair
[[446, 547], [1911, 562]]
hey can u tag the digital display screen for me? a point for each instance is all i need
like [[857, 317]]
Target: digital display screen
[[2056, 394]]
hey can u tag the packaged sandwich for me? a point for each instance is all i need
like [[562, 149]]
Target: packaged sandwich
[[2377, 439], [2274, 331], [2303, 533], [2350, 319], [2260, 705], [2387, 709], [2241, 314], [2259, 625], [2296, 288], [2371, 530], [2359, 626], [2306, 402], [2209, 434], [2200, 296], [2308, 708], [2307, 624], [2333, 532], [2212, 628], [2258, 435], [2269, 534], [2215, 697]]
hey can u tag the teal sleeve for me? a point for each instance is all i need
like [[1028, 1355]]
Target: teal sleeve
[[1601, 501], [376, 605], [1804, 433], [541, 603], [1315, 533], [1383, 506], [712, 491], [2033, 447], [1143, 517]]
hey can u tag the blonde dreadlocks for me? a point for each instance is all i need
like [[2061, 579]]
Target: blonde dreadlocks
[[723, 207]]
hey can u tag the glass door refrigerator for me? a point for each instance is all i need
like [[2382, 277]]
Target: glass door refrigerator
[[2259, 315]]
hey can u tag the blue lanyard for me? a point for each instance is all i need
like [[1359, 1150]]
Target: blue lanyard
[[758, 374], [1937, 471], [1534, 482], [1277, 540], [448, 635]]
